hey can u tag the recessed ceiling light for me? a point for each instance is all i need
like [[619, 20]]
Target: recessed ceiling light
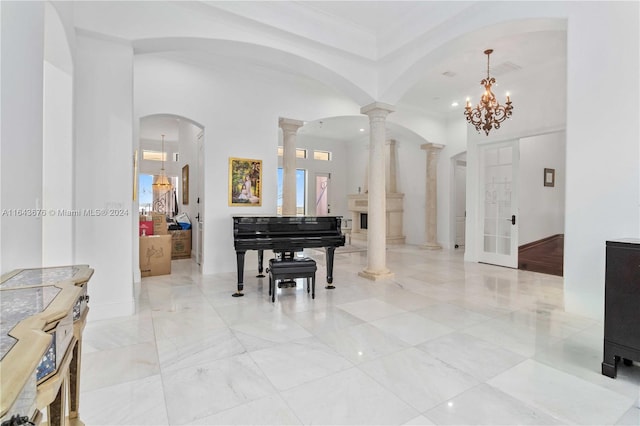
[[362, 130], [454, 104]]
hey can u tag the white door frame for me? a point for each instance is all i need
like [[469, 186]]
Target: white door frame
[[502, 198], [199, 219], [454, 188]]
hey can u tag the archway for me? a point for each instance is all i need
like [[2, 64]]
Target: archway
[[181, 157]]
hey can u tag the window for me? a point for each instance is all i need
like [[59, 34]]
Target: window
[[154, 155], [155, 201], [301, 179], [300, 153], [322, 155]]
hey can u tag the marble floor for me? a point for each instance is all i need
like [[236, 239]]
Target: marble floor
[[444, 342]]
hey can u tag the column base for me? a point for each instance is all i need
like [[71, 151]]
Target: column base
[[376, 275], [432, 246]]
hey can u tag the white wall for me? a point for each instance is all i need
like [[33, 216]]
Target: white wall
[[603, 153], [104, 171], [57, 167], [337, 167], [541, 208], [239, 109], [57, 141], [22, 53], [188, 133]]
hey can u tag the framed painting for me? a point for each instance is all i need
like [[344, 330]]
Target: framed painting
[[549, 177], [245, 182], [185, 184]]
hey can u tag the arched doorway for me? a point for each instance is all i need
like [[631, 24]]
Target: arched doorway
[[173, 146]]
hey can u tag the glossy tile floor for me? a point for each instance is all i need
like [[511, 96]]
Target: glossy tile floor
[[444, 342]]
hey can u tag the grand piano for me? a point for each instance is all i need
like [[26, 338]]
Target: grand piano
[[285, 234]]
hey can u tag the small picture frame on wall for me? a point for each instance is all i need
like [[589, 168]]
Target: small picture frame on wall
[[185, 184], [549, 177], [245, 182]]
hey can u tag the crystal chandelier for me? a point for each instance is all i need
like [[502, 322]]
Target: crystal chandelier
[[488, 113], [162, 183]]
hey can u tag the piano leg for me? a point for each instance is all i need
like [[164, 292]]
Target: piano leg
[[240, 264], [260, 263], [330, 252]]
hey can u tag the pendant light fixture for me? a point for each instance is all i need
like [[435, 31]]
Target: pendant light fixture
[[162, 182]]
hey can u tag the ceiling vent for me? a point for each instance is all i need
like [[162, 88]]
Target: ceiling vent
[[504, 68], [449, 74]]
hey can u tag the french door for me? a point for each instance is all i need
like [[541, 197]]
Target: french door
[[499, 166], [323, 206]]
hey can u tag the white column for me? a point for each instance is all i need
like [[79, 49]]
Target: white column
[[431, 215], [289, 130], [391, 182], [376, 234]]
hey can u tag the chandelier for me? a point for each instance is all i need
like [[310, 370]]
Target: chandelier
[[488, 113], [162, 183]]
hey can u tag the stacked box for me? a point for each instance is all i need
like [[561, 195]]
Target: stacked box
[[155, 255], [159, 223], [180, 244]]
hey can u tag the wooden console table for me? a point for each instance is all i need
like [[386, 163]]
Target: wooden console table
[[42, 317]]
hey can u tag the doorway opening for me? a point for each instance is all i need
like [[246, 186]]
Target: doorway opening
[[542, 178], [459, 200], [172, 146]]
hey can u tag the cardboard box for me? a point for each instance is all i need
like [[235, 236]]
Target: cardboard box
[[180, 244], [155, 255], [146, 227], [159, 223]]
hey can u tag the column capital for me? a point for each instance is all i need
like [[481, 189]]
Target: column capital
[[431, 146], [289, 124], [377, 108]]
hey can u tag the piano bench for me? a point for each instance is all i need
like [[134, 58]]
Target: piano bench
[[292, 268]]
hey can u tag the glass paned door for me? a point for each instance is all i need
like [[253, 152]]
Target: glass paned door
[[322, 194], [499, 204]]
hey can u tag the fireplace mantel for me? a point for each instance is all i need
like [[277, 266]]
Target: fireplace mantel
[[358, 204]]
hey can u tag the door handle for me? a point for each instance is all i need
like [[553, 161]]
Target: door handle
[[513, 219]]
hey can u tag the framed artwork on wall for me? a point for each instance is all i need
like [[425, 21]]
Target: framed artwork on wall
[[549, 177], [185, 184], [245, 182]]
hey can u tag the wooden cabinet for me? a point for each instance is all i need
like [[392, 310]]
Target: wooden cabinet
[[621, 305]]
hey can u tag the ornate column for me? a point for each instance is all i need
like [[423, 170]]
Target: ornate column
[[431, 228], [289, 130], [376, 233]]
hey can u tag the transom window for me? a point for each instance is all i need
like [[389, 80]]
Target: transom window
[[300, 153], [322, 155]]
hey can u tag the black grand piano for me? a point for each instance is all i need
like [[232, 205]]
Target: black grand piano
[[285, 234]]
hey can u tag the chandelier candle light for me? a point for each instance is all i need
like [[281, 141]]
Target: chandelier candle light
[[488, 113]]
